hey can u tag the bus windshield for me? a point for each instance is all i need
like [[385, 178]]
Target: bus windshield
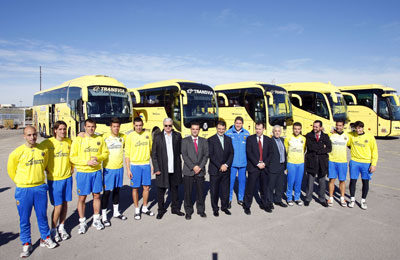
[[106, 102], [281, 109], [339, 109], [201, 105], [395, 108]]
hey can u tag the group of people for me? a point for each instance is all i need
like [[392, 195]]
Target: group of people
[[99, 162]]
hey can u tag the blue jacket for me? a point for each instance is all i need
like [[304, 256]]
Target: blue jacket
[[239, 146]]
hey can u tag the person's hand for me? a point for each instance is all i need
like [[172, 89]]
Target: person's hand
[[285, 171], [223, 168], [93, 157], [196, 169], [157, 173], [81, 134], [129, 173], [261, 165], [372, 169], [92, 162]]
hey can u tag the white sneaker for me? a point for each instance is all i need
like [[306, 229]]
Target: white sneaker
[[343, 203], [97, 224], [330, 202], [49, 243], [290, 203], [299, 203], [64, 234], [352, 204], [82, 228], [364, 205], [26, 251], [54, 235]]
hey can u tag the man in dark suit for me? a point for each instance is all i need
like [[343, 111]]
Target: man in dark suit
[[258, 149], [195, 156], [317, 162], [166, 158], [221, 156], [276, 171]]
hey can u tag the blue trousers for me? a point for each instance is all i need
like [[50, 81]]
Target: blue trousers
[[241, 179], [294, 178], [26, 199]]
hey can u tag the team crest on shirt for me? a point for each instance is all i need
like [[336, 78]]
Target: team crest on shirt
[[98, 143], [120, 139], [345, 138], [42, 153], [147, 137], [244, 137], [301, 141], [366, 141], [131, 183], [79, 191], [17, 202]]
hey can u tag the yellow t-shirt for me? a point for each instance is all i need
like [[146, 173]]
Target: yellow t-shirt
[[295, 148], [138, 147], [115, 145], [59, 165], [339, 147], [83, 148], [26, 165], [363, 148]]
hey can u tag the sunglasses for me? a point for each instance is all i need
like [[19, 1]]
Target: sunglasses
[[167, 125]]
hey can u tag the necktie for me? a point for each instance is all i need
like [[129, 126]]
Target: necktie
[[317, 137], [195, 145], [260, 149], [221, 139]]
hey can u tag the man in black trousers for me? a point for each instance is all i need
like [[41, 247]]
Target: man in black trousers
[[221, 156], [317, 162], [166, 158], [258, 149], [276, 171]]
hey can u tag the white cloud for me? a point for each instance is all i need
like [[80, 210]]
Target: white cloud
[[19, 69]]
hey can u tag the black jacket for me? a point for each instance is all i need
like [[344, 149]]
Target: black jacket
[[253, 153], [317, 158], [219, 156], [159, 159], [275, 166]]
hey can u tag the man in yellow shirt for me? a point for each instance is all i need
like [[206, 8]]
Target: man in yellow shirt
[[295, 146], [137, 158], [338, 162], [87, 153], [26, 165], [113, 170], [364, 157], [59, 178]]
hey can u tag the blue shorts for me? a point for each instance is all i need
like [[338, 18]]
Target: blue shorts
[[356, 168], [112, 178], [89, 182], [60, 191], [337, 169], [141, 175]]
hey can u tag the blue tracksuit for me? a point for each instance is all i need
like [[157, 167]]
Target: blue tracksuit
[[239, 160], [26, 199]]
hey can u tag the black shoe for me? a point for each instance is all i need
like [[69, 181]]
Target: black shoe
[[247, 211], [272, 206], [240, 202], [268, 209], [230, 205], [203, 215], [179, 213], [160, 215], [306, 203], [227, 212], [324, 203], [283, 205], [216, 214], [188, 217]]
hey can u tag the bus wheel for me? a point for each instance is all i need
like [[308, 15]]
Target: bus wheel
[[69, 133], [44, 131], [40, 130], [155, 131]]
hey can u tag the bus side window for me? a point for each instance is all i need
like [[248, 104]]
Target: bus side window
[[383, 109], [321, 107]]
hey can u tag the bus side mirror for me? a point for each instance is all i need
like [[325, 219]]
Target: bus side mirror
[[334, 97], [184, 97], [135, 96], [224, 97], [298, 97], [352, 97], [270, 98]]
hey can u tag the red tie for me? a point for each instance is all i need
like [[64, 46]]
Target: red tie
[[195, 145], [317, 137], [260, 149]]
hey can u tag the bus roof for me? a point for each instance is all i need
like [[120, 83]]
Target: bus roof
[[89, 80], [310, 86], [248, 84], [366, 86], [170, 82]]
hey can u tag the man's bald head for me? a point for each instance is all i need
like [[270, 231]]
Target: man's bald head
[[29, 129], [30, 136]]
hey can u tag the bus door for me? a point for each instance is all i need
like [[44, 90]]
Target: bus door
[[322, 112], [384, 122]]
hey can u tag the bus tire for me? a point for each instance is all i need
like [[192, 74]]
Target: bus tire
[[44, 131], [40, 130], [69, 132], [155, 131]]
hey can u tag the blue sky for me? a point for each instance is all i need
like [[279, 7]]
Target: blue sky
[[213, 42]]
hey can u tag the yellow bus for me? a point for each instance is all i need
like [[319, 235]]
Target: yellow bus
[[97, 97], [255, 102], [316, 101], [182, 100], [376, 105]]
